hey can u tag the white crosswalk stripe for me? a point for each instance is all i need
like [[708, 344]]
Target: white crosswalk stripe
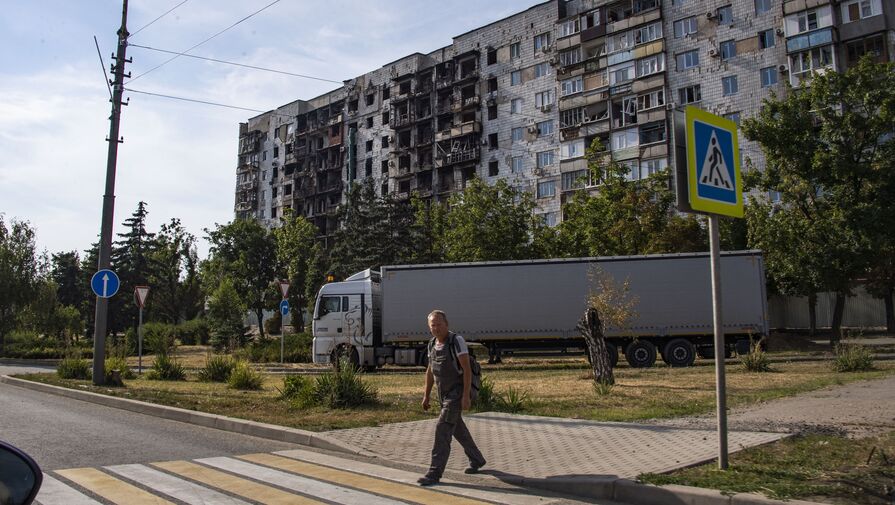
[[174, 487], [53, 492]]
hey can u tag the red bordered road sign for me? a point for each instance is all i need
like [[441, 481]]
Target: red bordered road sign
[[140, 294], [284, 288]]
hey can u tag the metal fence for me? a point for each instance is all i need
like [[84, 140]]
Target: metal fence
[[861, 311]]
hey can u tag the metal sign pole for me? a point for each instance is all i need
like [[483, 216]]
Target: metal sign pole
[[140, 343], [720, 348], [282, 336]]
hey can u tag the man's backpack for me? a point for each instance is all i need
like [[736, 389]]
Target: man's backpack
[[474, 366]]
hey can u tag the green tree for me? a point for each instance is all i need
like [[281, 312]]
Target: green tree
[[225, 315], [626, 217], [829, 151], [66, 273], [19, 272], [131, 261], [245, 252], [295, 249], [490, 223], [169, 260], [427, 231]]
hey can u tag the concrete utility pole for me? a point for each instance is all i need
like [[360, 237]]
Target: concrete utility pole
[[105, 241]]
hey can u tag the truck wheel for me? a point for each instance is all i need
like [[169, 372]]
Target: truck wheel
[[613, 354], [679, 352], [641, 354], [345, 352]]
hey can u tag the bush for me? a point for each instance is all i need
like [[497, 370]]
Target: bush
[[118, 363], [245, 377], [486, 398], [298, 390], [757, 360], [225, 317], [192, 332], [217, 369], [74, 368], [158, 338], [343, 388], [31, 345], [603, 388], [267, 350], [513, 401], [165, 368], [273, 324], [852, 358]]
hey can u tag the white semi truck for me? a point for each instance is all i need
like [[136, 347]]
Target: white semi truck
[[376, 318]]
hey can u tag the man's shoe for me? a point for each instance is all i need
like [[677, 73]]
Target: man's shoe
[[471, 469], [427, 481]]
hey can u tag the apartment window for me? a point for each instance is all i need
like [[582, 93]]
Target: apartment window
[[690, 94], [687, 60], [874, 45], [383, 166], [684, 27], [370, 122], [651, 100], [729, 85], [812, 59], [274, 191], [762, 6], [651, 133], [542, 41], [626, 138], [515, 78], [574, 180], [725, 15], [546, 189], [571, 117], [550, 218], [386, 92], [766, 39], [492, 84], [621, 75], [516, 106], [369, 99], [287, 189], [733, 116], [728, 49], [542, 69], [383, 190], [276, 151], [492, 141], [369, 145], [264, 175], [678, 2], [492, 112], [273, 212], [651, 65], [515, 50], [572, 86], [652, 166], [573, 149], [620, 42], [517, 134], [768, 76], [857, 10], [545, 128], [807, 20], [570, 57], [544, 98], [385, 142], [493, 168], [517, 164], [273, 174], [368, 167], [648, 33], [633, 169], [492, 56], [545, 159], [570, 27]]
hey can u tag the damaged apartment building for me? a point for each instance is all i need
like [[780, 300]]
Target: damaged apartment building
[[521, 99]]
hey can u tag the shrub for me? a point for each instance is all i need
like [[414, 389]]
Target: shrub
[[602, 388], [273, 324], [29, 344], [225, 316], [118, 363], [486, 399], [267, 350], [245, 377], [343, 388], [217, 369], [299, 391], [852, 358], [158, 338], [757, 360], [74, 368], [513, 401], [165, 368], [192, 332]]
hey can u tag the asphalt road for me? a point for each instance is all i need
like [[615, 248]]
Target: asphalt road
[[60, 432]]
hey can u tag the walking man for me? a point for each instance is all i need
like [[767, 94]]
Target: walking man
[[449, 369]]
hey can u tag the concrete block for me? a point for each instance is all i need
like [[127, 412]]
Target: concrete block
[[647, 494], [757, 499]]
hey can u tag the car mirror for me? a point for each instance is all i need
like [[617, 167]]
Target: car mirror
[[20, 477]]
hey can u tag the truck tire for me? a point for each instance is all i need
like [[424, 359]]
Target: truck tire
[[641, 354], [679, 352], [344, 351]]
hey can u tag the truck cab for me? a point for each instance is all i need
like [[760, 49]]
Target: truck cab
[[345, 322]]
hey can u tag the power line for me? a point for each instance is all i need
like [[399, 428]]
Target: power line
[[206, 40], [172, 97], [156, 19], [253, 67], [102, 65]]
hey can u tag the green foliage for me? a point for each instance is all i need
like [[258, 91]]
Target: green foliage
[[514, 400], [342, 389], [130, 258], [299, 391], [487, 398], [192, 332], [757, 359], [225, 316], [18, 273], [120, 364], [27, 344], [274, 324], [172, 262], [245, 377], [166, 368], [74, 367], [852, 357], [217, 369], [295, 239], [602, 388], [297, 349], [158, 338]]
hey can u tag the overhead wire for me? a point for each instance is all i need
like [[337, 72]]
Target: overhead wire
[[206, 40], [204, 102], [156, 19], [102, 65]]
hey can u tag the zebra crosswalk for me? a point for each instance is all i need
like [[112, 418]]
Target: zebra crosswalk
[[285, 477]]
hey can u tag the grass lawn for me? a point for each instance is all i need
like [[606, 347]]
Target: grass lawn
[[815, 467], [559, 388]]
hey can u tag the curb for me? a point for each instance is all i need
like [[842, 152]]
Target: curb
[[251, 428], [601, 488]]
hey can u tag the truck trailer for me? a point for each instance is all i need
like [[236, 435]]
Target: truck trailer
[[374, 318]]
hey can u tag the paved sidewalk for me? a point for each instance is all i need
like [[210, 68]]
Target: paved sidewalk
[[546, 447]]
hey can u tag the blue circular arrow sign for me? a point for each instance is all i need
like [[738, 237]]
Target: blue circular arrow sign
[[284, 307], [105, 283]]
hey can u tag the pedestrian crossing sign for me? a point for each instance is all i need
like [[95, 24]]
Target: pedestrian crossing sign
[[713, 164]]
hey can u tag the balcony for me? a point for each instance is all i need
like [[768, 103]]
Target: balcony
[[455, 157], [246, 166], [398, 120], [460, 103], [459, 130]]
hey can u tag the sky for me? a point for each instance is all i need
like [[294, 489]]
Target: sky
[[179, 157]]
